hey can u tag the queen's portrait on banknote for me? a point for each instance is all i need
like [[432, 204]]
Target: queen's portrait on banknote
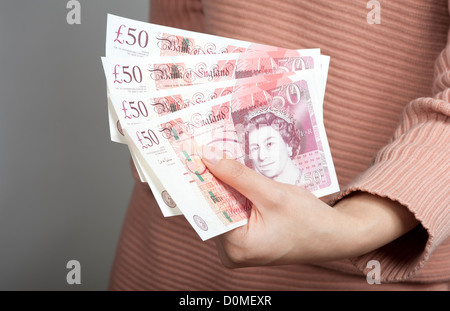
[[271, 142]]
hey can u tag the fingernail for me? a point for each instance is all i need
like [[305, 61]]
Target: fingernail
[[211, 154]]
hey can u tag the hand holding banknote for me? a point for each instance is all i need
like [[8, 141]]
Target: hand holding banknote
[[289, 225]]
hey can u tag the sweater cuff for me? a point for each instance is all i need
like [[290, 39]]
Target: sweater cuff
[[412, 170]]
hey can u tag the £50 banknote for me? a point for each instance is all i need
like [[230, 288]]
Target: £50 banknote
[[131, 38], [140, 75]]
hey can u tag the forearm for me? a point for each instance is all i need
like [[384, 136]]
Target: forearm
[[357, 224], [365, 222]]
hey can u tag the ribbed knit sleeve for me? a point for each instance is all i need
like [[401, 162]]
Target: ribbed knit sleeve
[[414, 169], [183, 14]]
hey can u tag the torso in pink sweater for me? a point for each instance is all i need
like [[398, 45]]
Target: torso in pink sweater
[[386, 114]]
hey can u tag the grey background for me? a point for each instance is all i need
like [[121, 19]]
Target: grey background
[[64, 186]]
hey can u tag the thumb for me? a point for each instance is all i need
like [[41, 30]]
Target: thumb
[[248, 182]]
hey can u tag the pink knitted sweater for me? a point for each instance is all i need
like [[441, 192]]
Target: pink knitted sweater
[[386, 113]]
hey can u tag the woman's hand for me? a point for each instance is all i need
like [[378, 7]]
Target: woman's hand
[[289, 225]]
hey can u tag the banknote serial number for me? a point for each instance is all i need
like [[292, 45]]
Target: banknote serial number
[[235, 300]]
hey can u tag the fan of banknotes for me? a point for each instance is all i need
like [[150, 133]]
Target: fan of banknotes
[[171, 92]]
